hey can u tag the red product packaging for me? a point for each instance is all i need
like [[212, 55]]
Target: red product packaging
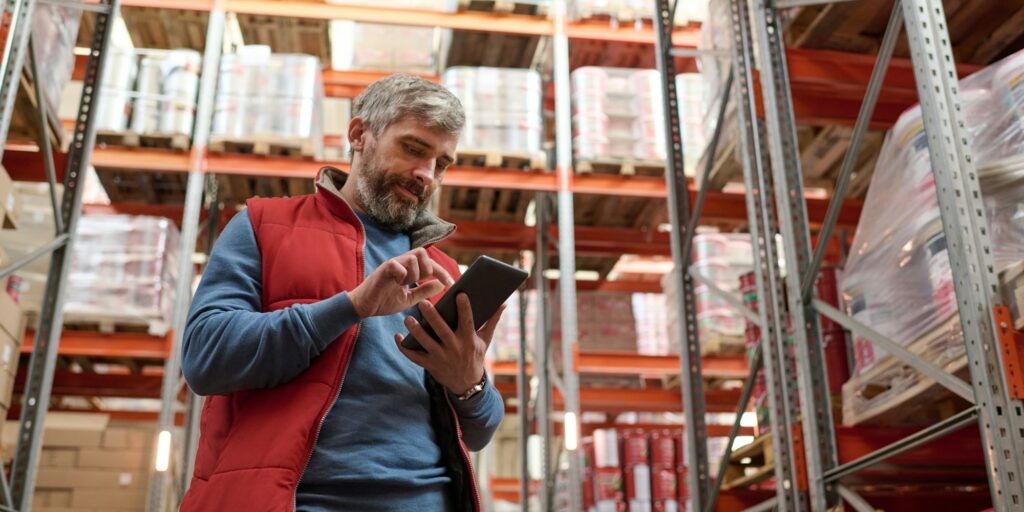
[[635, 447], [828, 291], [836, 360], [588, 453], [663, 450], [664, 484], [588, 490], [684, 491], [608, 484], [638, 482], [666, 506]]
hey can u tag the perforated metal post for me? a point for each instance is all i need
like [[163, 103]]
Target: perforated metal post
[[692, 378], [15, 25], [43, 362], [778, 361], [542, 362], [816, 414], [969, 247], [189, 232]]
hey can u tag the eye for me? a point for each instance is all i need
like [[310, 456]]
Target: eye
[[412, 150]]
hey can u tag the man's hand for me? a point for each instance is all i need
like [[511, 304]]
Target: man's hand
[[455, 359], [387, 290]]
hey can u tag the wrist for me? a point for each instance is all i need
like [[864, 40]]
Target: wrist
[[470, 390], [357, 303]]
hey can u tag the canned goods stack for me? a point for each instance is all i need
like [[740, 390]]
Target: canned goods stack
[[898, 277], [357, 45], [504, 109], [665, 481], [721, 258], [609, 495], [116, 90], [690, 90], [636, 455], [264, 96], [165, 94], [617, 114]]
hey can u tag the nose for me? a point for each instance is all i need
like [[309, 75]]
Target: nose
[[424, 172]]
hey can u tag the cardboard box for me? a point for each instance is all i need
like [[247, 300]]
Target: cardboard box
[[10, 350], [6, 186], [52, 497], [74, 430], [90, 458], [134, 438], [108, 500], [90, 479], [6, 384], [13, 207], [10, 315], [58, 458]]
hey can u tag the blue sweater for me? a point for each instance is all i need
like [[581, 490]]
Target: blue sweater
[[377, 449]]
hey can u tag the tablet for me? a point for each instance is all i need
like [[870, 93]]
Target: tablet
[[488, 283]]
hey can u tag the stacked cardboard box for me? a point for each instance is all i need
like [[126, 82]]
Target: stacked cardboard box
[[605, 321], [89, 463]]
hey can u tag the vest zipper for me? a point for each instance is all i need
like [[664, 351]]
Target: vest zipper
[[465, 454], [359, 327]]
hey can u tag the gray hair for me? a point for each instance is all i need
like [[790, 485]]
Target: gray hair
[[397, 96]]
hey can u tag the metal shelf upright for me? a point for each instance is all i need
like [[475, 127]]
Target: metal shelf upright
[[807, 468], [16, 25]]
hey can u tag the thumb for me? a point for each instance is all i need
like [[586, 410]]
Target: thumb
[[486, 332]]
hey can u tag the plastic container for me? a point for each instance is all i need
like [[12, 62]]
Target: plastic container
[[664, 484], [663, 450], [606, 448], [635, 447]]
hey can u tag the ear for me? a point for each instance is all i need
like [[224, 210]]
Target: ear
[[357, 133]]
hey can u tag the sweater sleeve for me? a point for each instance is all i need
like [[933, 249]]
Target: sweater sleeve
[[230, 344], [480, 416]]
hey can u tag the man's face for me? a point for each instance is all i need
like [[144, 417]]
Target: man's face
[[399, 171]]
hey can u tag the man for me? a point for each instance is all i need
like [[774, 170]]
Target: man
[[293, 333]]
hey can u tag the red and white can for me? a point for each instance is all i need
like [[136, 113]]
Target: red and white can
[[664, 485], [638, 482], [606, 448], [589, 501], [666, 506], [608, 484], [684, 491], [640, 506], [611, 506], [663, 450], [635, 447], [588, 453]]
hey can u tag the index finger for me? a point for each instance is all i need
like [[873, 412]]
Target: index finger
[[441, 274]]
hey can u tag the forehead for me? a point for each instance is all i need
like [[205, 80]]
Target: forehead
[[413, 128]]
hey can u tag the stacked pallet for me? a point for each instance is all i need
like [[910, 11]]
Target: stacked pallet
[[89, 464], [898, 278], [268, 104]]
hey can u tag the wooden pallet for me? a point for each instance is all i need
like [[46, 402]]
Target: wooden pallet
[[106, 324], [980, 32], [621, 166], [268, 146], [175, 141], [483, 204], [152, 27], [491, 49], [512, 160], [536, 8], [151, 188], [750, 464], [235, 190], [918, 399]]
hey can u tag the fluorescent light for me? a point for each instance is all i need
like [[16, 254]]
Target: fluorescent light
[[581, 275], [163, 451], [572, 434]]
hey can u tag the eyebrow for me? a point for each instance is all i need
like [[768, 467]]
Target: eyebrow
[[445, 158]]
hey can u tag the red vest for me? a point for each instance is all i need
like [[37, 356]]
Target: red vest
[[254, 445]]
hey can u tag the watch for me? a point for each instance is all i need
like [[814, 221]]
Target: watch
[[478, 387]]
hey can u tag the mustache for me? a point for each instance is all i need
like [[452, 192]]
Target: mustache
[[411, 185]]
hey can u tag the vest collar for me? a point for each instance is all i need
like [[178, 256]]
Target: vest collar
[[427, 228]]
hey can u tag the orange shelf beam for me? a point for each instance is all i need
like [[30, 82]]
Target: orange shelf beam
[[616, 363], [96, 344]]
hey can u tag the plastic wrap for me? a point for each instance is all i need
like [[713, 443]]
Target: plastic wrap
[[721, 258], [716, 39], [54, 33], [617, 114], [165, 95], [356, 45], [263, 95], [690, 91], [117, 89], [504, 108], [898, 278]]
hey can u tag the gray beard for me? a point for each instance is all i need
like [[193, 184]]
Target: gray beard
[[382, 204]]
